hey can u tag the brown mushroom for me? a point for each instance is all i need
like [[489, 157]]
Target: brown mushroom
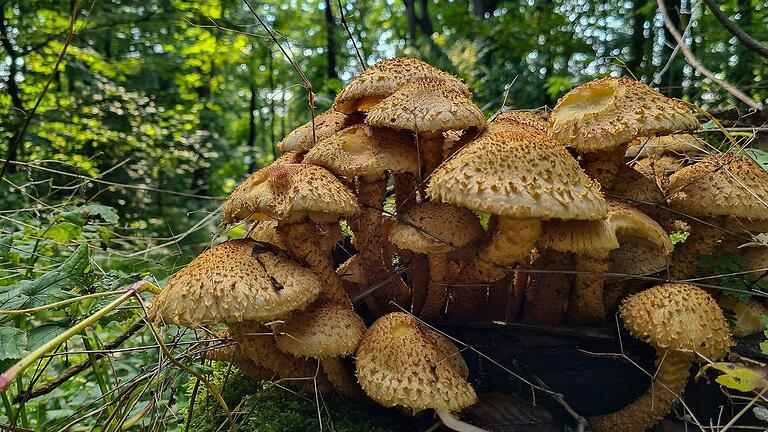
[[326, 124]]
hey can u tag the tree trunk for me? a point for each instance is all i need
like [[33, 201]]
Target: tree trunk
[[271, 103], [410, 12], [425, 22], [13, 87], [252, 126], [331, 45]]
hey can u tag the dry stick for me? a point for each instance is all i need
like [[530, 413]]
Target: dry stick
[[70, 35], [698, 66], [740, 34], [351, 38]]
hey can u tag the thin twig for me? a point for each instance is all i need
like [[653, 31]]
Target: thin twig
[[748, 41]]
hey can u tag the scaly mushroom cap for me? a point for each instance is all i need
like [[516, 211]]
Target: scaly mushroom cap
[[512, 120], [636, 257], [449, 351], [675, 144], [678, 316], [400, 364], [351, 270], [604, 114], [426, 106], [234, 281], [721, 185], [386, 77], [363, 150], [598, 238], [291, 193], [520, 175], [326, 124], [266, 232], [747, 316], [427, 228], [633, 185], [326, 330]]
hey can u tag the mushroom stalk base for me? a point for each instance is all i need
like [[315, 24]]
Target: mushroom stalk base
[[431, 150], [341, 378], [546, 295], [701, 241], [453, 423], [303, 243], [586, 305], [258, 343], [405, 192], [437, 293], [656, 402], [513, 242]]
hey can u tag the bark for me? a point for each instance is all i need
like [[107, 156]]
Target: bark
[[331, 44], [252, 126], [410, 12], [425, 22], [13, 86]]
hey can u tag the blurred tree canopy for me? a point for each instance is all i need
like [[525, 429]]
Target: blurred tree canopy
[[190, 95]]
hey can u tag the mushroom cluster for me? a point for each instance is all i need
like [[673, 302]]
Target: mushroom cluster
[[532, 215]]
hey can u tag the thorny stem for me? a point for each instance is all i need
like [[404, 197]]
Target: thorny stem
[[60, 303]]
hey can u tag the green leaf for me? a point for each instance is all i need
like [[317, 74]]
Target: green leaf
[[63, 232], [6, 242], [759, 156], [13, 342], [678, 237], [80, 215], [50, 287], [43, 333]]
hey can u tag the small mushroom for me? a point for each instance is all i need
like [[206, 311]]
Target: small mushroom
[[386, 77], [591, 242], [401, 363], [234, 281], [717, 186], [522, 177], [747, 315], [599, 119], [325, 332], [679, 145], [435, 229], [679, 321], [427, 107], [296, 195], [326, 124]]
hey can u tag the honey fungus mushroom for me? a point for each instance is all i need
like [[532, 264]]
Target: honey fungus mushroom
[[522, 177], [435, 229], [234, 281], [401, 363], [297, 196], [600, 118], [678, 320], [386, 77], [325, 125], [427, 107], [717, 186]]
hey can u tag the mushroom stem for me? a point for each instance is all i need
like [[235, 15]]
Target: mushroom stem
[[453, 423], [258, 343], [368, 236], [431, 150], [303, 243], [437, 293], [656, 402], [405, 192], [701, 241], [603, 166], [586, 305], [418, 276], [546, 295], [341, 378], [513, 242], [615, 293]]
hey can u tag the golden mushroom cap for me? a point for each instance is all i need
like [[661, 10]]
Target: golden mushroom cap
[[678, 316], [352, 270], [363, 150], [291, 193], [426, 106], [399, 364], [427, 227], [449, 351], [234, 281], [747, 316], [633, 185], [327, 330], [627, 221], [609, 112], [265, 231], [386, 77], [326, 124], [721, 185], [519, 174], [674, 144], [512, 120]]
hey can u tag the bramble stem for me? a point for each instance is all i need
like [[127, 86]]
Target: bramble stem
[[59, 303]]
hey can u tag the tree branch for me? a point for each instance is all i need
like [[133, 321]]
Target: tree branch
[[693, 61], [748, 41]]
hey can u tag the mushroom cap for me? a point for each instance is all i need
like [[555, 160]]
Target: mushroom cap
[[450, 352], [400, 364], [258, 343], [518, 174], [386, 77], [290, 193], [234, 281], [363, 150], [326, 124], [511, 120], [747, 316], [598, 238], [678, 316], [633, 185], [351, 270], [266, 232], [606, 113], [426, 106], [674, 144], [721, 185], [426, 227], [325, 330], [636, 257]]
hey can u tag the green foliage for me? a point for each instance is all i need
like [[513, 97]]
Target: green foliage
[[732, 266], [678, 237]]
